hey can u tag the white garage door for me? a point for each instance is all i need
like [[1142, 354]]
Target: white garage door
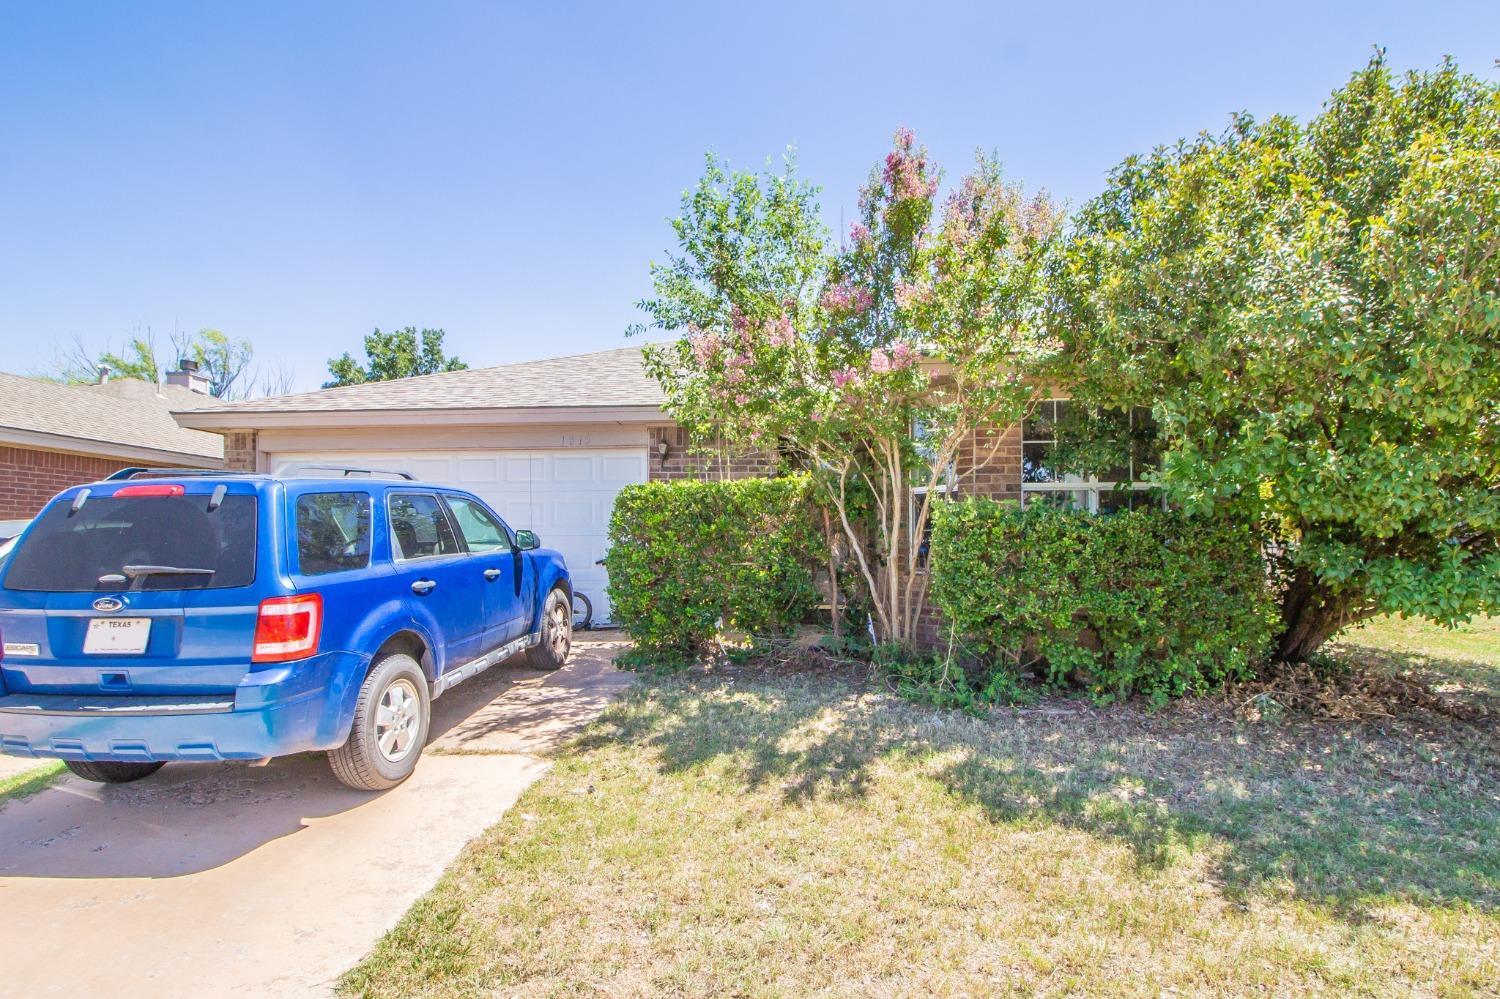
[[564, 496]]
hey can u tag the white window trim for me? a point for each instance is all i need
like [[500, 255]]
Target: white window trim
[[1090, 486]]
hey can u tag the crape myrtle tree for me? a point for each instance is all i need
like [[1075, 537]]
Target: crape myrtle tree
[[1313, 312], [871, 364]]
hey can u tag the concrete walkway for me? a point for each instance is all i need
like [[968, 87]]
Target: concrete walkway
[[226, 880]]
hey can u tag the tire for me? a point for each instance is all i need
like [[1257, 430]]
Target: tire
[[551, 652], [113, 773], [391, 719], [583, 611]]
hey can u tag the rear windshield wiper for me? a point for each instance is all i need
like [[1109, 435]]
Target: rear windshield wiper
[[137, 571]]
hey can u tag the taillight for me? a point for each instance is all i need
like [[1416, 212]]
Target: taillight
[[152, 490], [288, 628]]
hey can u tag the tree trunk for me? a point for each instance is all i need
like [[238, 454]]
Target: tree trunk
[[1310, 615], [836, 617]]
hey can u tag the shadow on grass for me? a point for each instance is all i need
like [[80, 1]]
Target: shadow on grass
[[1466, 681], [1337, 814]]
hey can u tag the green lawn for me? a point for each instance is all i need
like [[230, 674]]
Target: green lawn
[[1463, 662], [745, 834], [30, 781]]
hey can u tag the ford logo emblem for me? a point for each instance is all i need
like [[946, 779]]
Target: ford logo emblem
[[108, 604]]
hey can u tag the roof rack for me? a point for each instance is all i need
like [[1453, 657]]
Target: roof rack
[[142, 472], [289, 471], [344, 472]]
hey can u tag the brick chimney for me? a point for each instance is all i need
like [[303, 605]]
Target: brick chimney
[[188, 377]]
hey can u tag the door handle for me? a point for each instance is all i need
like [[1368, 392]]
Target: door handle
[[422, 587], [492, 574]]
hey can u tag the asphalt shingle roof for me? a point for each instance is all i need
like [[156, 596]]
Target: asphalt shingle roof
[[606, 378], [122, 412]]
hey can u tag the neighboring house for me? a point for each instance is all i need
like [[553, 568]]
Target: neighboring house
[[53, 436], [550, 443]]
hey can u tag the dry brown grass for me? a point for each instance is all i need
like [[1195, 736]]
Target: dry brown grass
[[749, 834]]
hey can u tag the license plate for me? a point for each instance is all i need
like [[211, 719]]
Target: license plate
[[117, 635]]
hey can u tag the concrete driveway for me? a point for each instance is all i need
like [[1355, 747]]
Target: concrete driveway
[[228, 880]]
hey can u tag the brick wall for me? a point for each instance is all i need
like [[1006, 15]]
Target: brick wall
[[29, 478], [680, 464], [239, 450]]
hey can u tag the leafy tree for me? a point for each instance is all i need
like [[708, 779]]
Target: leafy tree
[[1313, 312], [398, 354], [223, 360], [872, 365], [137, 359]]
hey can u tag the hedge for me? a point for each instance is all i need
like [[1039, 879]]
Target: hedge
[[1146, 601], [685, 556]]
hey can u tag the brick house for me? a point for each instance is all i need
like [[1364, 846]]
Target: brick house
[[550, 444], [53, 436]]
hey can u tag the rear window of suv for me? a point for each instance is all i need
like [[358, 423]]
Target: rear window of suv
[[132, 543], [333, 532]]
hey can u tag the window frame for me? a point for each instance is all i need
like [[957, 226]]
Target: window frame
[[1092, 487], [946, 489], [395, 544], [946, 486]]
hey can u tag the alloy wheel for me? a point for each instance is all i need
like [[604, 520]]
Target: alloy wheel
[[398, 719]]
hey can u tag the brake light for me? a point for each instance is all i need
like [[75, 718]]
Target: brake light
[[151, 490], [288, 628]]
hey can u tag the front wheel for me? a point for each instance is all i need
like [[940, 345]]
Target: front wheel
[[113, 773], [390, 726], [556, 639]]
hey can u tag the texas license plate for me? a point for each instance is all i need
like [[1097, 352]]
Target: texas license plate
[[117, 635]]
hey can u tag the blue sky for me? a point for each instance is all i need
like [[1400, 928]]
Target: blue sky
[[298, 173]]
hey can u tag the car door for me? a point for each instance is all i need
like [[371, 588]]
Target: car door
[[431, 562], [494, 556]]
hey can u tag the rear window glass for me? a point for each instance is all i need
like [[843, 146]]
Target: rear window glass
[[333, 532], [133, 543]]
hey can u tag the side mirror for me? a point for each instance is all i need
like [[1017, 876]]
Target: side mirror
[[527, 541]]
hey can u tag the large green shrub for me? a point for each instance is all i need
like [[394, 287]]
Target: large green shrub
[[1145, 601], [686, 556]]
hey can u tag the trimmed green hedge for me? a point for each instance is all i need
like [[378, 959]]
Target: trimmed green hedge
[[1146, 601], [685, 555]]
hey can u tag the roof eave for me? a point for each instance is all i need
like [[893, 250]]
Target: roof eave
[[224, 421], [39, 441]]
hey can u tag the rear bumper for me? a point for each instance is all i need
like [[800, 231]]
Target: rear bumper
[[289, 709]]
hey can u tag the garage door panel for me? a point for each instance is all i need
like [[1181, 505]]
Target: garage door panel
[[626, 469], [564, 496], [478, 471], [574, 469], [524, 469], [573, 517]]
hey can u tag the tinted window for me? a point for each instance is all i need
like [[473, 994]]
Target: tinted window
[[419, 528], [333, 532], [480, 530], [68, 552]]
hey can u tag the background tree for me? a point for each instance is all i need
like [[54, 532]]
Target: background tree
[[1314, 315], [223, 360], [872, 365], [397, 354]]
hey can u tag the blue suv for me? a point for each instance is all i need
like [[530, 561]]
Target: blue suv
[[179, 615]]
